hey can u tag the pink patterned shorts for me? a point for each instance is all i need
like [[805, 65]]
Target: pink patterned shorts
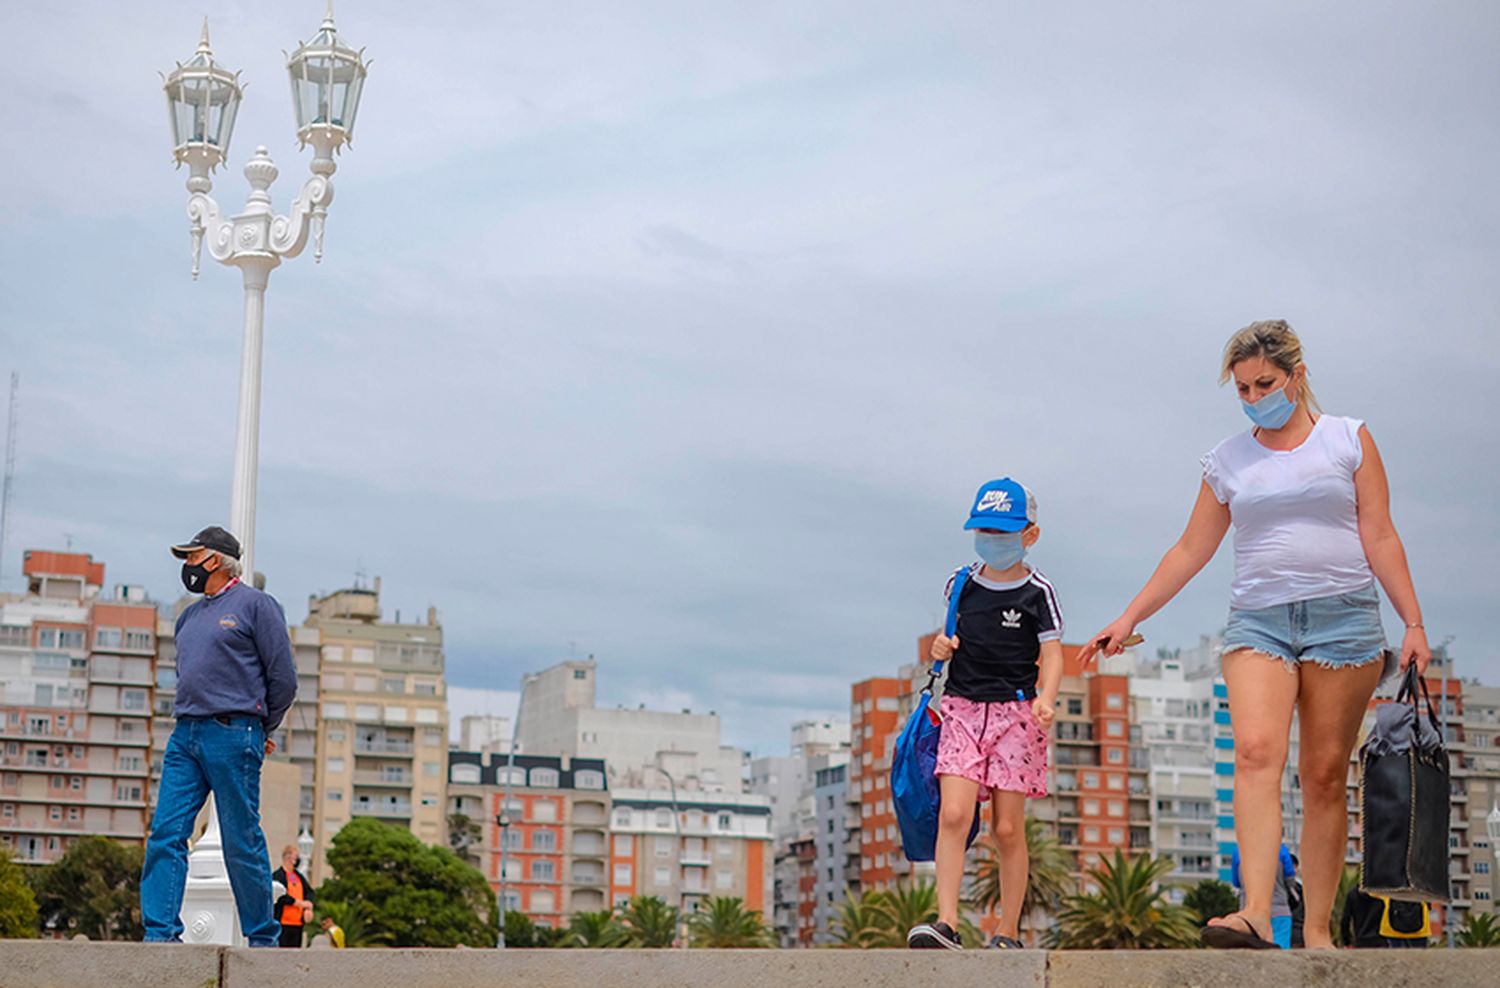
[[998, 745]]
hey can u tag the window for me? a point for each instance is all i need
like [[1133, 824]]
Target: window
[[511, 837], [726, 820], [1481, 867], [723, 880], [366, 711], [1115, 780], [336, 765], [1091, 780], [107, 638], [1116, 808], [544, 811], [1114, 701], [725, 848], [1116, 756], [396, 685], [663, 847], [624, 844], [663, 818], [543, 870], [512, 900], [465, 774], [1091, 835], [1075, 705], [511, 776], [622, 817], [622, 874], [335, 711], [544, 840], [1090, 807], [335, 796], [580, 674], [46, 638], [1116, 836], [131, 763], [1115, 729], [139, 641], [127, 793], [70, 639], [588, 778], [543, 901], [544, 778], [663, 876]]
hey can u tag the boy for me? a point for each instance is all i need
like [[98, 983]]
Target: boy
[[997, 705]]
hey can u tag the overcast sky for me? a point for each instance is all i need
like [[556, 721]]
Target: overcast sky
[[682, 334]]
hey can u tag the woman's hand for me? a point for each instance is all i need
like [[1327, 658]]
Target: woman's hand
[[1109, 640], [943, 648], [1414, 648]]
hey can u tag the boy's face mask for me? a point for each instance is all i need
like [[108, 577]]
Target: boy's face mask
[[1000, 550]]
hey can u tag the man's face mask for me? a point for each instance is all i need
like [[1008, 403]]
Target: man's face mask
[[195, 575]]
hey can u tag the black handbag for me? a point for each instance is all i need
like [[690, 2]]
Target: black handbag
[[1404, 799]]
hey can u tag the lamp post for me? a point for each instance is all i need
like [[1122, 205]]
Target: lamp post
[[502, 819], [1492, 827], [203, 99], [677, 830]]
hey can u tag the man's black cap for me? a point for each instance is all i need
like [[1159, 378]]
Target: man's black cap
[[213, 537]]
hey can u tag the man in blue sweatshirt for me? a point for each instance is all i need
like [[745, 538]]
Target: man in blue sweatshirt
[[235, 681]]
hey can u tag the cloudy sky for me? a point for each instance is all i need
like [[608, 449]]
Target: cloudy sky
[[681, 334]]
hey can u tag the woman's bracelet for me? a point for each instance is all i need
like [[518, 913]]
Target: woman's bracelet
[[1419, 624]]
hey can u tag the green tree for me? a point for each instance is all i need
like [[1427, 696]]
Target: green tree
[[904, 907], [93, 889], [1211, 898], [520, 931], [1129, 911], [464, 835], [723, 921], [861, 922], [1479, 930], [647, 921], [1049, 873], [17, 902], [355, 919], [597, 929], [422, 896]]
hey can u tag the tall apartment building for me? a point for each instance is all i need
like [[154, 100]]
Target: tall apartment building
[[558, 716], [690, 844], [874, 723], [76, 677], [556, 834], [382, 728], [836, 849], [1174, 708]]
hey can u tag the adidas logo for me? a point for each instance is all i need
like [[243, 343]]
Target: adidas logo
[[994, 501], [1010, 619]]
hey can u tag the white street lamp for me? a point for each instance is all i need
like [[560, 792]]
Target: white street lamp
[[327, 76], [203, 98]]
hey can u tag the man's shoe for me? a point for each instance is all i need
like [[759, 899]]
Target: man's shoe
[[933, 936], [998, 942]]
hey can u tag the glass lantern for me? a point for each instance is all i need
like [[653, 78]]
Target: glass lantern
[[327, 75], [202, 99]]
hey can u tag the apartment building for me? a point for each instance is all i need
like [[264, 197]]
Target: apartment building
[[874, 723], [382, 726], [836, 848], [685, 845], [76, 678], [554, 831]]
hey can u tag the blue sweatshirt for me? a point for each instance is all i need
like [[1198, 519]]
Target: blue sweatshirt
[[234, 657]]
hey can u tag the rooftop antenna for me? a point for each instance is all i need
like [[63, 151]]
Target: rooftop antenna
[[10, 467]]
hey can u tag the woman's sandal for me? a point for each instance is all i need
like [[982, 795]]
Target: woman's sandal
[[1229, 938]]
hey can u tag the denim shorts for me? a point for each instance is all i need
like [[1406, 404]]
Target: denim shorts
[[1336, 632]]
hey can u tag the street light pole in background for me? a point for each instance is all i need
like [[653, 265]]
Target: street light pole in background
[[678, 853], [502, 819], [203, 98]]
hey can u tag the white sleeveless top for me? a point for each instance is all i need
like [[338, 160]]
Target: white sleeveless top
[[1296, 523]]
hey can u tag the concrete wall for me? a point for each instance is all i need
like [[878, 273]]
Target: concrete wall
[[57, 964]]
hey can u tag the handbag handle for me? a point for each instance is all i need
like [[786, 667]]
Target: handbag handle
[[950, 623], [1410, 685]]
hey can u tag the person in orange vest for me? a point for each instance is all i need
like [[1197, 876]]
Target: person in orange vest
[[295, 906]]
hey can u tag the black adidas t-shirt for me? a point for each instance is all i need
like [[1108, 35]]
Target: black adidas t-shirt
[[1000, 630]]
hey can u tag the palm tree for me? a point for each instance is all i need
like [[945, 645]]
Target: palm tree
[[904, 907], [1129, 911], [599, 929], [723, 921], [861, 921], [647, 921], [1049, 875], [354, 918], [1211, 898], [1479, 930]]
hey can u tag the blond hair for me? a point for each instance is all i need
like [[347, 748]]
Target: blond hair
[[1274, 340]]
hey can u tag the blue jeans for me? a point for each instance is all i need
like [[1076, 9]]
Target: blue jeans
[[203, 756], [1337, 632]]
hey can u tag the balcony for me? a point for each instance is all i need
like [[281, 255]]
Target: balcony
[[387, 810], [370, 777], [384, 746]]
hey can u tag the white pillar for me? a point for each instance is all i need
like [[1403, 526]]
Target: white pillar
[[208, 912], [247, 431]]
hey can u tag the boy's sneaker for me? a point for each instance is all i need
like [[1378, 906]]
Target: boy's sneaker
[[933, 936], [998, 942]]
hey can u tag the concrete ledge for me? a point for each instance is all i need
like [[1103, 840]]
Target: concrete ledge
[[245, 968], [1278, 968], [54, 964], [70, 964]]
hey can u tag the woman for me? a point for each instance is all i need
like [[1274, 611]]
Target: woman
[[1307, 496], [294, 907]]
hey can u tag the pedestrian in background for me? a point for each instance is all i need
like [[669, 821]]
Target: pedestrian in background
[[294, 908], [235, 681]]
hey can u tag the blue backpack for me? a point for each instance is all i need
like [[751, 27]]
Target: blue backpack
[[914, 783]]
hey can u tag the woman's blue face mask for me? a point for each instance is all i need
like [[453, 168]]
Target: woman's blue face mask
[[1273, 410], [1000, 550]]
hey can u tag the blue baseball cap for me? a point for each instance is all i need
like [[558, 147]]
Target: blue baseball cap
[[1002, 505]]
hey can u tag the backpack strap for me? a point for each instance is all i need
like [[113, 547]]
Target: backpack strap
[[950, 624]]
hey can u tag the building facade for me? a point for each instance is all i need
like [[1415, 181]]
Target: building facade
[[76, 680]]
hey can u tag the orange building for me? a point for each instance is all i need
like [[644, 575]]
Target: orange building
[[874, 723]]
